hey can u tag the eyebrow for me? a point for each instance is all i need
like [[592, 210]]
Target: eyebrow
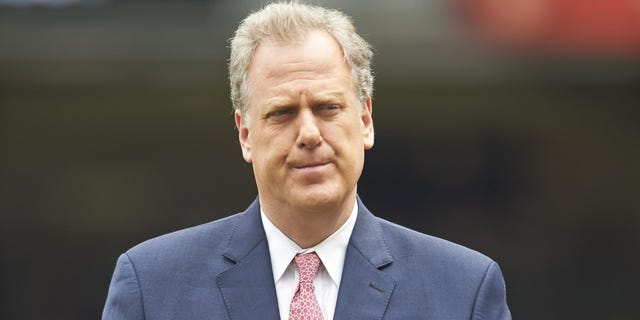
[[324, 97], [329, 97]]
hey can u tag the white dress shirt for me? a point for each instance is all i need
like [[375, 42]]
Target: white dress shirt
[[332, 252]]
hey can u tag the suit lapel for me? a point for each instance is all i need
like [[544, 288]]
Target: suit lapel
[[247, 287], [365, 290]]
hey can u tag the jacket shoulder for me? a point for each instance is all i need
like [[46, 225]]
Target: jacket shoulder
[[171, 276], [447, 279], [193, 242], [407, 244]]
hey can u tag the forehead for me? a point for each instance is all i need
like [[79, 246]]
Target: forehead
[[316, 61], [316, 48]]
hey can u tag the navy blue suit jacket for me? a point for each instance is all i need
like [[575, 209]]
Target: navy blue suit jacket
[[222, 270]]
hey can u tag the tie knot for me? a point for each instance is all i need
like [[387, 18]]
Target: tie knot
[[308, 264]]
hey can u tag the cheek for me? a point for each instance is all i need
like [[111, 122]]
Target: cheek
[[271, 147], [350, 143], [348, 137]]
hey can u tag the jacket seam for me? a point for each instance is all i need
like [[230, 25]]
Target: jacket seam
[[135, 273], [484, 277]]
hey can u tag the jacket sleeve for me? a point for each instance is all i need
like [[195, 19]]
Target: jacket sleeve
[[491, 299], [124, 300]]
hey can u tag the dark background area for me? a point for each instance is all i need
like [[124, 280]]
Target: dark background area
[[115, 126]]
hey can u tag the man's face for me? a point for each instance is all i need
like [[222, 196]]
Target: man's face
[[306, 131]]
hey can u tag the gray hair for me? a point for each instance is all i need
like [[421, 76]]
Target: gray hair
[[290, 21]]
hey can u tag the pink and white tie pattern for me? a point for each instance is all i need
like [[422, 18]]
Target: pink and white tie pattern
[[304, 305]]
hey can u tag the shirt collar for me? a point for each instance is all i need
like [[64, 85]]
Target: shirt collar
[[332, 250]]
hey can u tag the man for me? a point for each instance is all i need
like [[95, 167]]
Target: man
[[307, 248]]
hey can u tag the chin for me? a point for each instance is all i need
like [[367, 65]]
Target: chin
[[316, 199]]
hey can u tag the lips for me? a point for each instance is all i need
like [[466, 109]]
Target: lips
[[310, 165], [302, 163]]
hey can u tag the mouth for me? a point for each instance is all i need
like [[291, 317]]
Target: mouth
[[312, 172], [311, 166]]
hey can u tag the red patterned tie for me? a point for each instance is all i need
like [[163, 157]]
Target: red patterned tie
[[304, 305]]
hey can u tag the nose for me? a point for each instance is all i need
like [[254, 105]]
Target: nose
[[309, 135]]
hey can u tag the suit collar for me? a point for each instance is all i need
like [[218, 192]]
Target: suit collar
[[246, 234], [249, 291], [365, 290], [369, 239], [331, 250], [247, 287], [367, 235]]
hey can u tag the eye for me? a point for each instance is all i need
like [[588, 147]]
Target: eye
[[278, 114], [328, 109]]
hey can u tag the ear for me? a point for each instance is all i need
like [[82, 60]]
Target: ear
[[367, 124], [243, 136]]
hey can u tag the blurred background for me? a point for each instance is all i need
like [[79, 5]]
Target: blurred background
[[511, 127]]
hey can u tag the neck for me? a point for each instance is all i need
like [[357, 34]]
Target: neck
[[309, 226]]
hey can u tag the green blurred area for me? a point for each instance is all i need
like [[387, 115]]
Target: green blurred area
[[115, 126]]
